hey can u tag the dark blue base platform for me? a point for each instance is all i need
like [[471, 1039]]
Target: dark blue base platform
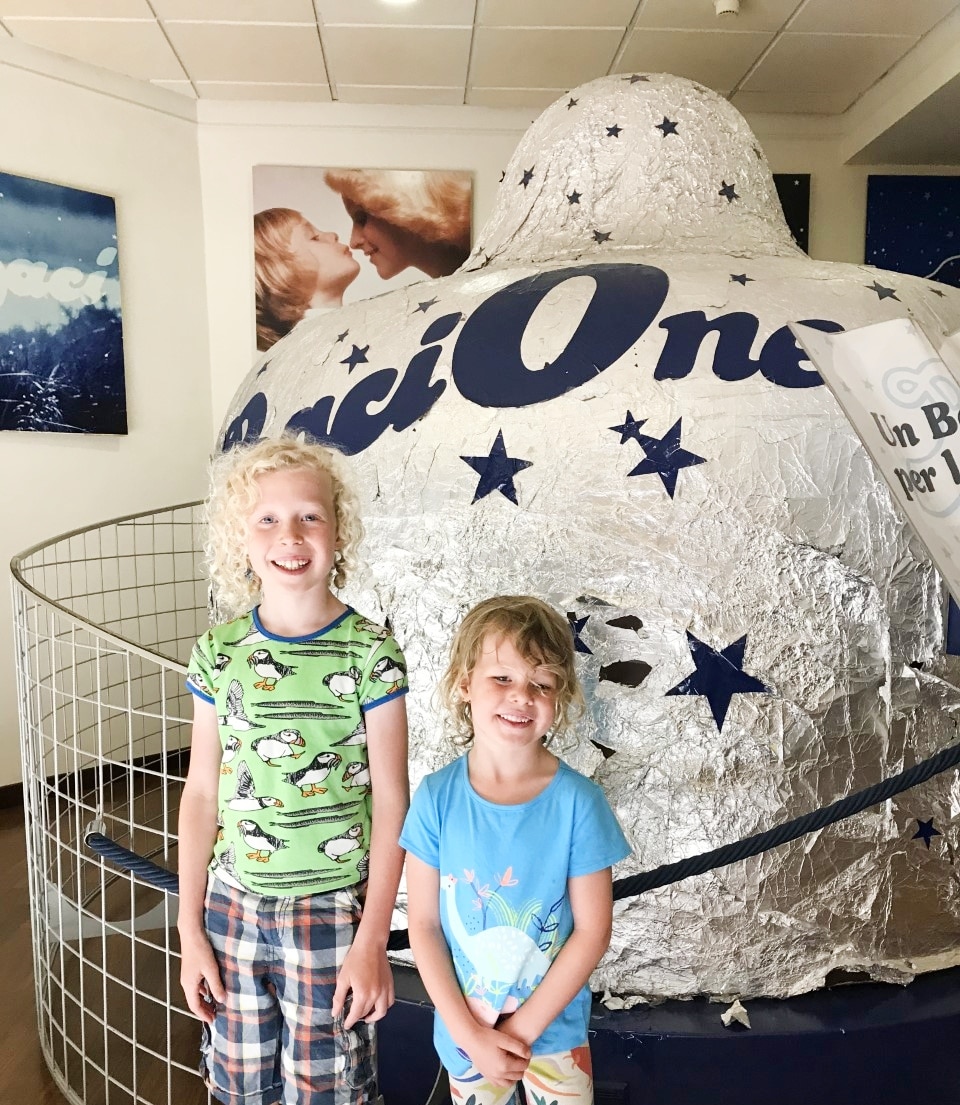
[[860, 1044]]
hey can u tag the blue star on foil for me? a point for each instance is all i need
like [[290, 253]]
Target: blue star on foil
[[728, 191], [668, 126], [357, 356], [925, 831], [527, 176], [634, 77], [740, 278], [614, 131], [936, 291], [719, 676], [576, 626], [574, 196], [882, 292], [503, 173], [426, 305], [665, 458], [572, 103], [601, 235], [496, 471], [340, 337], [629, 428]]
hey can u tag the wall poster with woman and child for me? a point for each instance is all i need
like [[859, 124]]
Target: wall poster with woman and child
[[326, 236]]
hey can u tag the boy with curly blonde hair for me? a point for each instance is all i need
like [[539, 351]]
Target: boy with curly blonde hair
[[296, 791]]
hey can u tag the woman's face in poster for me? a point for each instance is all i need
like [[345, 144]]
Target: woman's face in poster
[[323, 252], [389, 248]]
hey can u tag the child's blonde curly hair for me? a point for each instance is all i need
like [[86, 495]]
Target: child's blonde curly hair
[[541, 636], [233, 496]]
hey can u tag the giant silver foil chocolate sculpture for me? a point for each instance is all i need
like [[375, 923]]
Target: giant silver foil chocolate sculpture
[[604, 407]]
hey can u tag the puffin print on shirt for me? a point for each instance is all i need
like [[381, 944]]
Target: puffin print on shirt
[[295, 783]]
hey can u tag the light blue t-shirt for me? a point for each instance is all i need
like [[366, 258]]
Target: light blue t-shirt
[[503, 889]]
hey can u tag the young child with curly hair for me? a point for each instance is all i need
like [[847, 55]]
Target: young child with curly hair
[[295, 794]]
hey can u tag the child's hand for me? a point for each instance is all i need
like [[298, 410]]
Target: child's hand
[[200, 977], [501, 1059], [367, 978], [512, 1024]]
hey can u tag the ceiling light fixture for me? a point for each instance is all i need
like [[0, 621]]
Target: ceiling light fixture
[[727, 7]]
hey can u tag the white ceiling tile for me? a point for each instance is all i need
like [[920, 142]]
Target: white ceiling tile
[[398, 55], [238, 52], [549, 58], [514, 97], [886, 17], [239, 11], [251, 90], [78, 9], [787, 102], [425, 13], [827, 63], [555, 13], [185, 88], [718, 59], [137, 48], [397, 94]]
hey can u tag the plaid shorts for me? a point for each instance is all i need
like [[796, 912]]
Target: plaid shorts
[[274, 1040]]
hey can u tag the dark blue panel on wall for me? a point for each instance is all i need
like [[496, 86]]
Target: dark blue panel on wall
[[952, 647], [913, 225], [794, 192]]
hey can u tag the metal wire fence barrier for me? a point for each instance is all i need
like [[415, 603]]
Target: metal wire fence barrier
[[104, 621]]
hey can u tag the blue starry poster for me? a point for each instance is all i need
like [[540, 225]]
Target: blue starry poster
[[913, 225], [61, 338]]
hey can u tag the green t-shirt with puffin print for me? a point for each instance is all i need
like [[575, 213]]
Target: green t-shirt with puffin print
[[294, 797]]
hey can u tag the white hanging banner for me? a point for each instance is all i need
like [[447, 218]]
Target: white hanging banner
[[903, 400]]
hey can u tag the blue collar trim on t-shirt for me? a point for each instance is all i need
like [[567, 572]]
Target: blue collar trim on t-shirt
[[255, 614]]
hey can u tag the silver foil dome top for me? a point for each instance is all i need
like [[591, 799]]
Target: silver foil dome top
[[643, 161]]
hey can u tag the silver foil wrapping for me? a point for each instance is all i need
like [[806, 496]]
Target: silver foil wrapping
[[759, 631]]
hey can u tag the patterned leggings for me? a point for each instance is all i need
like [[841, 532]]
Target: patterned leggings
[[565, 1078]]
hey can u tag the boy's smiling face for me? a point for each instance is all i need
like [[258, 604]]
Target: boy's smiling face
[[292, 531]]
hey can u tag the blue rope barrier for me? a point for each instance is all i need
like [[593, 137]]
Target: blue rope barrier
[[667, 873], [789, 830], [144, 869]]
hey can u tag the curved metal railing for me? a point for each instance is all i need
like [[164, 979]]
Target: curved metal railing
[[104, 620]]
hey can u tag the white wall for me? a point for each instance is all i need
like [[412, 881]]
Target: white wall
[[56, 127]]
